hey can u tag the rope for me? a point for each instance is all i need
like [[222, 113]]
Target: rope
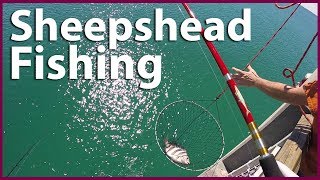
[[268, 42], [292, 73], [272, 37], [284, 7]]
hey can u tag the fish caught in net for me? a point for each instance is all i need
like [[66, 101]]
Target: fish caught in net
[[190, 127]]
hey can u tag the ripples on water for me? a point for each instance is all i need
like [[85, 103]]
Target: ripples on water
[[110, 117], [108, 125]]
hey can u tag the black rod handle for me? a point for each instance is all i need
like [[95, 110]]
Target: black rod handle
[[269, 166]]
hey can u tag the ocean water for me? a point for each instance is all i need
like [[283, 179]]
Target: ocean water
[[107, 127]]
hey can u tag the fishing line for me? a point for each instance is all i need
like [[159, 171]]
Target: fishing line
[[252, 60], [34, 146], [24, 158], [167, 114], [29, 152], [222, 90], [271, 39]]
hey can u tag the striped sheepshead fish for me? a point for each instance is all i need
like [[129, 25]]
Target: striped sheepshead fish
[[176, 153]]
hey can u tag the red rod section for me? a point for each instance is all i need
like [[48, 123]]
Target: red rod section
[[225, 72]]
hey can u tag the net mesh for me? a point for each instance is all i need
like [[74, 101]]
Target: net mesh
[[193, 128]]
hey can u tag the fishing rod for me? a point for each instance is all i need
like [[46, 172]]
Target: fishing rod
[[267, 160]]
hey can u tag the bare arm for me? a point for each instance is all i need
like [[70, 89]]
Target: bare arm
[[282, 92], [279, 91]]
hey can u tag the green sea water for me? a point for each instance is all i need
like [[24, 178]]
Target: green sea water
[[106, 127]]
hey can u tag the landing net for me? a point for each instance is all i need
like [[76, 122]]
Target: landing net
[[187, 124]]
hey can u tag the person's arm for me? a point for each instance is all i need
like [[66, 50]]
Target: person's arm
[[279, 91]]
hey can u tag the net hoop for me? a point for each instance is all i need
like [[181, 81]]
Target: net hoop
[[204, 110]]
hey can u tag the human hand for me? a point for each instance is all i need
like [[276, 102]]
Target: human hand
[[245, 78]]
